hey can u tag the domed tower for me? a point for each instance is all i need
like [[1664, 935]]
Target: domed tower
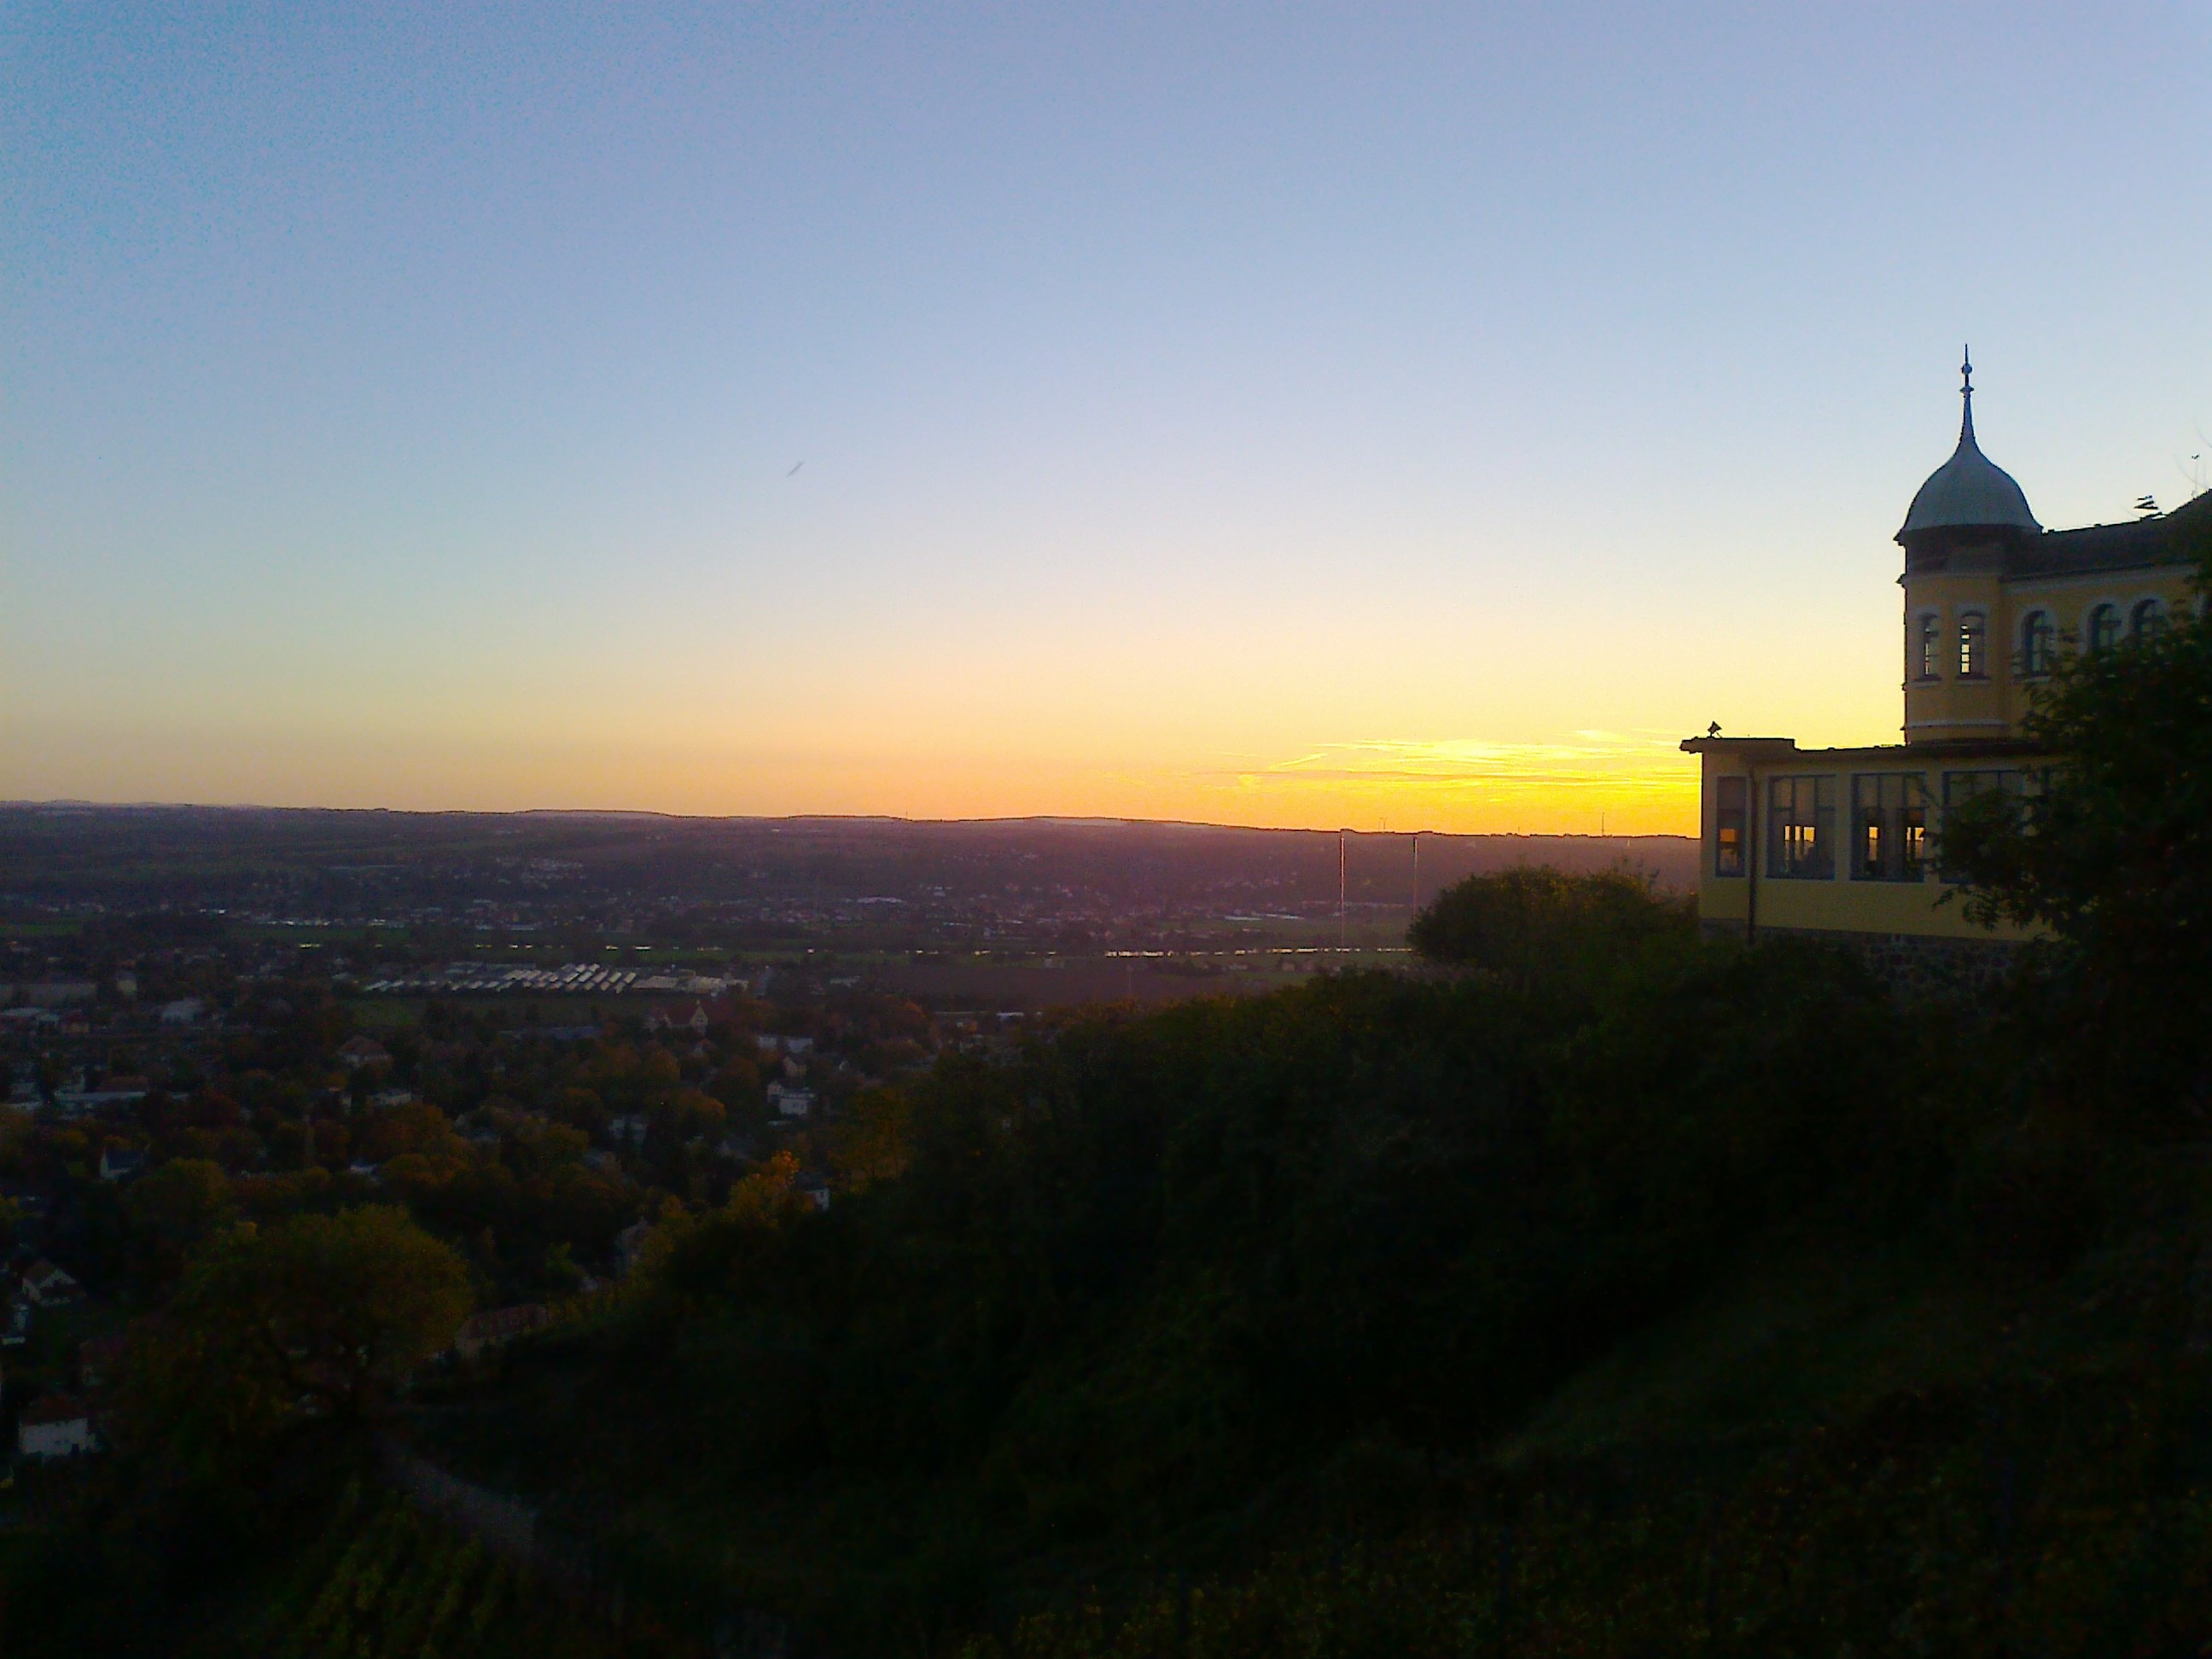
[[1965, 526]]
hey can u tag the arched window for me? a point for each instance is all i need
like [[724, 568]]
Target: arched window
[[1973, 645], [1927, 666], [2147, 621], [2104, 627], [2038, 643]]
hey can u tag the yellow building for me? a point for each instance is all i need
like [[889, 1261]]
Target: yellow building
[[1837, 841]]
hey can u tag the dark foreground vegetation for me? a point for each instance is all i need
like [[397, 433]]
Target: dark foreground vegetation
[[1600, 1291]]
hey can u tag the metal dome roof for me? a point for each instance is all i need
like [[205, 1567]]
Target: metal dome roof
[[1969, 490]]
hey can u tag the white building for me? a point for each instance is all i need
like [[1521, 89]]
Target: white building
[[54, 1426], [49, 1286], [789, 1101]]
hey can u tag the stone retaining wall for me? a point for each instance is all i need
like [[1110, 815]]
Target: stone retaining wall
[[1912, 965]]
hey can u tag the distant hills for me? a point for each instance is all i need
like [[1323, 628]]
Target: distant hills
[[201, 855]]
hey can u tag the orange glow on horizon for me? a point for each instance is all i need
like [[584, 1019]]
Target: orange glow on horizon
[[1621, 783], [1618, 783]]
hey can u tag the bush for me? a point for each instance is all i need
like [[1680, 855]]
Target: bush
[[2031, 1195], [1534, 921]]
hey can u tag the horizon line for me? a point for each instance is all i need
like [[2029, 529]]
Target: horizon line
[[75, 803]]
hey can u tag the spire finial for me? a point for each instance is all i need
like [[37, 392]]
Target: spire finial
[[1966, 395]]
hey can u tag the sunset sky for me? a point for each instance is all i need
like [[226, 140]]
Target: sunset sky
[[1401, 417]]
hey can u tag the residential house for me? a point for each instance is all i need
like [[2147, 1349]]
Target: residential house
[[357, 1052], [49, 1286], [120, 1164], [55, 1425], [789, 1101], [185, 1011], [695, 1020], [82, 1097]]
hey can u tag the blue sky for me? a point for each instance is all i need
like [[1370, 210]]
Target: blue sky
[[1275, 414]]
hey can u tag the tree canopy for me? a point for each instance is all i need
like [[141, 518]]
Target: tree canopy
[[1536, 921], [2113, 857], [315, 1317]]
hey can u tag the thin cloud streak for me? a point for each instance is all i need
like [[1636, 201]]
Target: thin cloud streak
[[1634, 782]]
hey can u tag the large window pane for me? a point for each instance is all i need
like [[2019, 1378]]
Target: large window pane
[[1800, 843], [1731, 819], [1973, 646], [1889, 826]]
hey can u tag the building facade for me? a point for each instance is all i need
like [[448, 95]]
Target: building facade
[[1840, 842], [54, 1426]]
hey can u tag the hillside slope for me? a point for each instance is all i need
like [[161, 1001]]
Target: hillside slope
[[1648, 1281]]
